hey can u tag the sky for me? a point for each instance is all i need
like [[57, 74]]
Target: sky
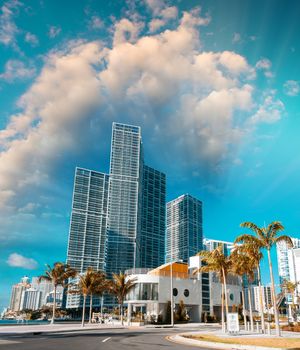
[[213, 84]]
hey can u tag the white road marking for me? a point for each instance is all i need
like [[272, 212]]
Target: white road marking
[[106, 339], [8, 342]]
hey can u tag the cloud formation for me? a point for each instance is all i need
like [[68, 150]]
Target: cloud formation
[[8, 27], [197, 102], [15, 70], [291, 88], [18, 260]]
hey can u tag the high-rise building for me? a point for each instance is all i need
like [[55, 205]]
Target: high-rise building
[[285, 259], [118, 220], [266, 298], [87, 234], [124, 200], [153, 217], [31, 299], [16, 294], [211, 244], [184, 228]]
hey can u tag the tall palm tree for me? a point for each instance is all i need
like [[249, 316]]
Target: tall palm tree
[[253, 250], [98, 286], [244, 266], [216, 261], [120, 287], [58, 275], [267, 237]]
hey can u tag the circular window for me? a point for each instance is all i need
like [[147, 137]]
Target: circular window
[[231, 296], [175, 292], [186, 293]]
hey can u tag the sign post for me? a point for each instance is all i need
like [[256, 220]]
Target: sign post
[[233, 323]]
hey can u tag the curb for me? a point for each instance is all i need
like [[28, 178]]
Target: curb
[[179, 339]]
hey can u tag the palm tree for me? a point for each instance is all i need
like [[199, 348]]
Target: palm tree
[[253, 250], [244, 266], [216, 261], [120, 287], [267, 237], [58, 276], [98, 286]]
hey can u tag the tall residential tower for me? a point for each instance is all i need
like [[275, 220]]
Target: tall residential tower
[[184, 228]]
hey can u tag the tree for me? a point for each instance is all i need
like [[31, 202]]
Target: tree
[[244, 266], [181, 314], [120, 287], [58, 275], [289, 287], [266, 238], [98, 286], [216, 261]]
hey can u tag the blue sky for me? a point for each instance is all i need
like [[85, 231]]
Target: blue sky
[[213, 84]]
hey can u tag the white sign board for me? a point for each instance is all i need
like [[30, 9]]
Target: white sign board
[[233, 322]]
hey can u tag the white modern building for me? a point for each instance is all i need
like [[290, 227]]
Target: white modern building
[[16, 293], [30, 299], [286, 261], [211, 244], [266, 297], [201, 293]]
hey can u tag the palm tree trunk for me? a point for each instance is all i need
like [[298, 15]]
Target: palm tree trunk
[[244, 309], [274, 295], [83, 310], [91, 308], [222, 309], [250, 309], [225, 292], [262, 316], [54, 305], [121, 311]]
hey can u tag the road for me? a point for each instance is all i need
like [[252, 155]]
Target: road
[[116, 339]]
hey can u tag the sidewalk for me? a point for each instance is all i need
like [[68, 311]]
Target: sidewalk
[[180, 339]]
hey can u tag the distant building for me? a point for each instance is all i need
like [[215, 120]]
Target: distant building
[[294, 264], [285, 261], [16, 294], [30, 299], [211, 244], [46, 288], [184, 228], [266, 297]]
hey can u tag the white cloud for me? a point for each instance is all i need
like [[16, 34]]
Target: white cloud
[[54, 31], [291, 88], [269, 112], [96, 23], [8, 27], [18, 260], [236, 38], [15, 70], [265, 65], [31, 39], [202, 101]]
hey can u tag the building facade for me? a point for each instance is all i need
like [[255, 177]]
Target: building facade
[[153, 218], [184, 228], [86, 246], [16, 293], [285, 260]]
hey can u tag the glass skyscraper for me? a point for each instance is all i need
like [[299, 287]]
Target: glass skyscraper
[[184, 228], [118, 220], [86, 246], [153, 218], [124, 205]]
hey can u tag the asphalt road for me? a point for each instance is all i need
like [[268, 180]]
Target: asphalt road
[[117, 339]]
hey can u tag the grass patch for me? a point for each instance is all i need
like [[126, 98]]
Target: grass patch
[[288, 343]]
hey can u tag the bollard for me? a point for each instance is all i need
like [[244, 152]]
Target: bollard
[[257, 327], [269, 328], [248, 326]]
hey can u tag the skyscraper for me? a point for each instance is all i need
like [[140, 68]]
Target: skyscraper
[[184, 228], [285, 260], [153, 218], [118, 220], [87, 234]]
